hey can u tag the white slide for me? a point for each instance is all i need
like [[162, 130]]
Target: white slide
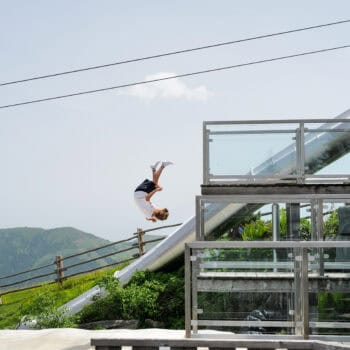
[[320, 148]]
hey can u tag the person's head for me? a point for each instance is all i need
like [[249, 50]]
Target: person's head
[[162, 214]]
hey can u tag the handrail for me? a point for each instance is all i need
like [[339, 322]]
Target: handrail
[[27, 279], [99, 257], [101, 267], [101, 247], [159, 228], [23, 272]]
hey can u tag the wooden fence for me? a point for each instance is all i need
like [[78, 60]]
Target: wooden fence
[[59, 267]]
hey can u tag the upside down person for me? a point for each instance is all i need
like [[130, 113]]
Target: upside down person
[[144, 192]]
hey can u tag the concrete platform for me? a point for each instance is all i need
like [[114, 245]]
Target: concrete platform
[[74, 339], [79, 339]]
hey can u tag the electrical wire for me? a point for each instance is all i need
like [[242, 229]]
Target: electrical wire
[[174, 76], [173, 53]]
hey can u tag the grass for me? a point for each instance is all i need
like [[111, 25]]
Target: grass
[[13, 304]]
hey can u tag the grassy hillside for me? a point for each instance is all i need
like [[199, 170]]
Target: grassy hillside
[[26, 248], [13, 305]]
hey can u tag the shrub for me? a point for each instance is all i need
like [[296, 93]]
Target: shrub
[[148, 295]]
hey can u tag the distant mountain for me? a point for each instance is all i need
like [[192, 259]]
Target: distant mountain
[[25, 248]]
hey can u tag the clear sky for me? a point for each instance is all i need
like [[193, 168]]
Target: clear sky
[[75, 162]]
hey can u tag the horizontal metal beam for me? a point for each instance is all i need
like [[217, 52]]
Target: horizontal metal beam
[[262, 283], [267, 244], [278, 121], [258, 265], [240, 323], [282, 191]]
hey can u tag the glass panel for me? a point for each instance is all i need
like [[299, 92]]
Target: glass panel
[[237, 287], [252, 154], [246, 290], [252, 151], [255, 221], [323, 148], [329, 286], [330, 313], [338, 167]]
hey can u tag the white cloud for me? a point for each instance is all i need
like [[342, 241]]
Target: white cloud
[[173, 88]]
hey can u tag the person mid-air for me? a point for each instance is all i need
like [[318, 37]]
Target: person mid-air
[[144, 192]]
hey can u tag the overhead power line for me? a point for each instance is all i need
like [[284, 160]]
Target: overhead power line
[[173, 53], [175, 76]]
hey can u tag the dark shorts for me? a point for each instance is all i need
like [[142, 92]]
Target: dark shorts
[[146, 186]]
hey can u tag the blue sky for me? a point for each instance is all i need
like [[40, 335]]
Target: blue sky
[[76, 162]]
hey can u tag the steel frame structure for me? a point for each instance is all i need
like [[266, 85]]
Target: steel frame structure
[[299, 280], [294, 182], [302, 134]]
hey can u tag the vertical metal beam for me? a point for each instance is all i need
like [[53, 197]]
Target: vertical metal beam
[[302, 153], [187, 291], [194, 274], [206, 164], [304, 287], [297, 291], [275, 228], [293, 221], [313, 215], [320, 234], [199, 219]]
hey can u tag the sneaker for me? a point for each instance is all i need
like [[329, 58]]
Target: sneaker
[[166, 163], [154, 166]]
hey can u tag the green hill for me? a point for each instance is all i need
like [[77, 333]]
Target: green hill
[[26, 248]]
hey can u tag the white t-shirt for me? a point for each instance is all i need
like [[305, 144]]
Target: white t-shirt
[[147, 207]]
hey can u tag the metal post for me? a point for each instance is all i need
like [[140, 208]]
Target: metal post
[[300, 153], [199, 219], [206, 169], [304, 287], [188, 310], [293, 221], [141, 243], [275, 229], [194, 274], [297, 291], [320, 235], [60, 273], [313, 214]]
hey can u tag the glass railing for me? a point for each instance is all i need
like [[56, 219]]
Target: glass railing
[[265, 151], [281, 288]]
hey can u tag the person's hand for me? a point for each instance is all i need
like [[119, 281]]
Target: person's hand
[[158, 188]]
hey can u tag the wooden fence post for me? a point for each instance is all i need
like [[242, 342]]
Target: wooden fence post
[[60, 273], [141, 242]]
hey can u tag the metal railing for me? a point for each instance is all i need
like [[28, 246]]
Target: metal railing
[[57, 269], [303, 268], [232, 150]]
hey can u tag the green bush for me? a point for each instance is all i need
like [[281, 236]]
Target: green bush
[[257, 230], [330, 226], [148, 295]]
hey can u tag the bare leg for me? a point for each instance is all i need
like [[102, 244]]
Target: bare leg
[[156, 174]]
